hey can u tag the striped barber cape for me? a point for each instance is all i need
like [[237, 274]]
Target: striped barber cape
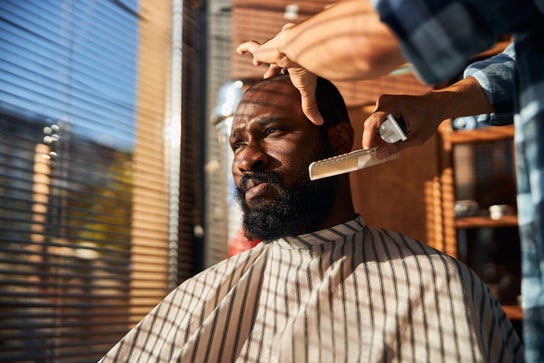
[[344, 294]]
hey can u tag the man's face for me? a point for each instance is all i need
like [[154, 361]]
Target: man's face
[[273, 144]]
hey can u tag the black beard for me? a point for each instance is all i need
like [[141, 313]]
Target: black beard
[[295, 211]]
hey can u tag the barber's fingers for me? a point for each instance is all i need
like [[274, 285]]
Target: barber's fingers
[[262, 53], [371, 127], [272, 71], [388, 149], [265, 53], [312, 112], [306, 83], [250, 47], [371, 136], [269, 52]]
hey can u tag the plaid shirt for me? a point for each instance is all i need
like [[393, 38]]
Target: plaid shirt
[[344, 294], [438, 37]]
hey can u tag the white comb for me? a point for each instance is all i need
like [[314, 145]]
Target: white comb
[[390, 131]]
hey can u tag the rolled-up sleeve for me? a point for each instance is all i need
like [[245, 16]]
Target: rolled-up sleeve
[[496, 77]]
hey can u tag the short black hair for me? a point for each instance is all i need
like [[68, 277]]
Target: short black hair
[[330, 103]]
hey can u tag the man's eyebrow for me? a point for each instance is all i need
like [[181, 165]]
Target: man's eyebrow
[[262, 121], [265, 120], [234, 132]]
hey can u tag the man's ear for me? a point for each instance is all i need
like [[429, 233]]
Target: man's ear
[[341, 137]]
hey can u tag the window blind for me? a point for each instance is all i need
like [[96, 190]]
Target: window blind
[[84, 174]]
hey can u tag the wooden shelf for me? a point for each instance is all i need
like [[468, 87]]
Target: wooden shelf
[[485, 134], [483, 222]]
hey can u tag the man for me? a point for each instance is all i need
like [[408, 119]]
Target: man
[[322, 286], [363, 39]]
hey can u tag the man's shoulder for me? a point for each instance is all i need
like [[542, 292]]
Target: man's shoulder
[[398, 241], [227, 269], [388, 245], [399, 255]]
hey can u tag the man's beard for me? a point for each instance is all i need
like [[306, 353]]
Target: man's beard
[[295, 211]]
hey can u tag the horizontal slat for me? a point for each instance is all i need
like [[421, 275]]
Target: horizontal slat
[[89, 334]]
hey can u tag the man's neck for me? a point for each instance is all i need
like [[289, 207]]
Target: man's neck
[[342, 210]]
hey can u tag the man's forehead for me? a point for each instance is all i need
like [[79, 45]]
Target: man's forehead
[[268, 100], [271, 89], [274, 100]]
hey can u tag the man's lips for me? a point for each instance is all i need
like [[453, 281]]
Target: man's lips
[[254, 189], [259, 187]]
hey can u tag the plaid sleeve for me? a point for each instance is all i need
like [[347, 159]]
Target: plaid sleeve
[[439, 36], [496, 77]]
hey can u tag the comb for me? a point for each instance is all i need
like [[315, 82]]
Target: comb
[[390, 130]]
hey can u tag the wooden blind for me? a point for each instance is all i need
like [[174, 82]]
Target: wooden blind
[[84, 174]]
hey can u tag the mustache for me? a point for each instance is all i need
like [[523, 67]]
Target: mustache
[[269, 177]]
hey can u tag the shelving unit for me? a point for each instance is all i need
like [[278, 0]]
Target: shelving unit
[[455, 229]]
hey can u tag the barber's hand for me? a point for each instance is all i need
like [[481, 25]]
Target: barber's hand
[[270, 53], [420, 113]]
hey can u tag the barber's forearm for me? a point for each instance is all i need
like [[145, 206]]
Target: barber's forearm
[[424, 113], [344, 42], [463, 98]]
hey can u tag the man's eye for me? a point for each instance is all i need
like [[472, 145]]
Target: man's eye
[[271, 130], [236, 145]]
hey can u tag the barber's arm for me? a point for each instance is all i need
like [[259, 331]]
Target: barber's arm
[[422, 114], [486, 88]]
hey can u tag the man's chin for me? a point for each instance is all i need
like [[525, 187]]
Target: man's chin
[[286, 212], [264, 229]]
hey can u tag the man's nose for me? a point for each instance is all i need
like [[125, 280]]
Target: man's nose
[[252, 158]]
